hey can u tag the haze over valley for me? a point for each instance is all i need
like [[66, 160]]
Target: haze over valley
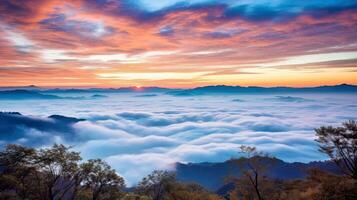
[[146, 129]]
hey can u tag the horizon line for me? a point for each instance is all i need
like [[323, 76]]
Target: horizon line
[[143, 87]]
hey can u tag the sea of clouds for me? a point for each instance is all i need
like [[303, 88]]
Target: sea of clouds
[[136, 134]]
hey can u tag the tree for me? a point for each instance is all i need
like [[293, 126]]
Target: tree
[[156, 184], [340, 144], [162, 185], [17, 165], [59, 170], [330, 186], [255, 168], [132, 196], [192, 191], [54, 173], [101, 180], [253, 183]]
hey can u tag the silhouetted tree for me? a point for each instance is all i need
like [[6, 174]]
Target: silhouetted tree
[[191, 191], [340, 144], [59, 168], [17, 166], [132, 196], [162, 185], [54, 173], [101, 180], [252, 182], [156, 184], [255, 168]]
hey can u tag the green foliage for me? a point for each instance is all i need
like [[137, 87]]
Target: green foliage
[[18, 165], [161, 185], [54, 173], [58, 167], [101, 180], [157, 184], [133, 196]]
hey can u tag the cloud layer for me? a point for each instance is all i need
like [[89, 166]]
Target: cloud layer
[[139, 134]]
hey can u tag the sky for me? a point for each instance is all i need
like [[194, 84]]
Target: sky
[[177, 43], [137, 134]]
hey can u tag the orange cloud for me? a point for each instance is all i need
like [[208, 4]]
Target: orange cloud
[[62, 43]]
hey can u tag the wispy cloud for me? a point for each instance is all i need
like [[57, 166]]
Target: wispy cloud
[[151, 76], [312, 58], [270, 40]]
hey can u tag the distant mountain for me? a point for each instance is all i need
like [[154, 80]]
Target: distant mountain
[[212, 175], [98, 96], [14, 127], [29, 87], [112, 90], [64, 119], [90, 90], [223, 89], [206, 90], [25, 94], [146, 95]]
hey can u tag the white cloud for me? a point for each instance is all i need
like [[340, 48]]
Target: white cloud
[[312, 58], [133, 167], [17, 39], [151, 76], [127, 58], [53, 55], [136, 135]]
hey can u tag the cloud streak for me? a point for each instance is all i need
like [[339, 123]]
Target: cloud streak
[[141, 42]]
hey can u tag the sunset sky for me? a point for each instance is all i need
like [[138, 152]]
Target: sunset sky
[[177, 43]]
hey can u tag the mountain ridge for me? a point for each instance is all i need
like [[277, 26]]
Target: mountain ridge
[[25, 94], [212, 175], [224, 89], [158, 88], [36, 93]]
